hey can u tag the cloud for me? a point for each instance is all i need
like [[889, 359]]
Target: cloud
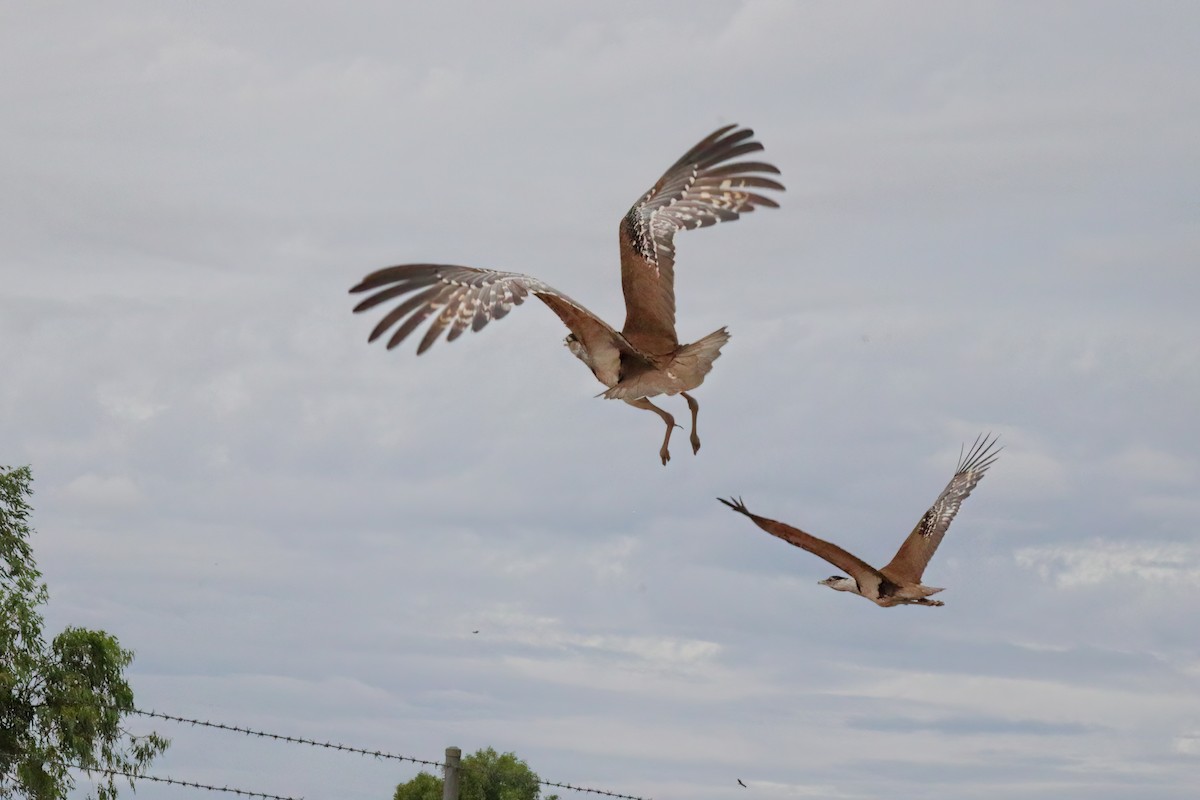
[[107, 493], [956, 726], [1099, 562], [989, 225], [1034, 702], [129, 404], [1187, 744], [1149, 465], [657, 653]]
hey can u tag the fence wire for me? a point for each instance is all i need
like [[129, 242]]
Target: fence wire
[[134, 776], [345, 748], [190, 784], [292, 739]]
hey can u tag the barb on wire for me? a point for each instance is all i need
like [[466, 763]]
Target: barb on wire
[[592, 791], [189, 784], [284, 738], [466, 766], [349, 749]]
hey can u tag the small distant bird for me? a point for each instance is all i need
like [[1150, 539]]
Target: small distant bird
[[739, 780], [645, 358], [899, 583], [474, 631]]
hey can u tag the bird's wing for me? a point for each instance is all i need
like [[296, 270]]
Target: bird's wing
[[699, 189], [464, 297], [869, 579], [913, 556]]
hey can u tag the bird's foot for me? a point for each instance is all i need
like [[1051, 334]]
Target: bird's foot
[[695, 444], [664, 454]]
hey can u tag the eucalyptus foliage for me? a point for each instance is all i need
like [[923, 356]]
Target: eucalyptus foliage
[[62, 704]]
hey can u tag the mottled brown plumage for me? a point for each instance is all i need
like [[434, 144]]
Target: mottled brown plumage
[[898, 583], [645, 358]]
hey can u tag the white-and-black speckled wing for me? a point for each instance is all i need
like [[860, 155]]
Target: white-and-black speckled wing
[[913, 556], [702, 188], [465, 297]]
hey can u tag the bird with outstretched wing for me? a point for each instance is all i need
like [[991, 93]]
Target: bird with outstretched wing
[[899, 582], [644, 359]]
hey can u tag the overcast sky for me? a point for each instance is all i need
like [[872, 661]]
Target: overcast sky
[[992, 223]]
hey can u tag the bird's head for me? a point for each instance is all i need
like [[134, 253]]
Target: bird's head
[[577, 349], [839, 582]]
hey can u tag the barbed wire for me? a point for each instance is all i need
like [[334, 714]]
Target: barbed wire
[[345, 748], [585, 789], [190, 784], [163, 779], [293, 739]]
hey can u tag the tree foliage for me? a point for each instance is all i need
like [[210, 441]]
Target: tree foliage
[[422, 787], [483, 775], [61, 705]]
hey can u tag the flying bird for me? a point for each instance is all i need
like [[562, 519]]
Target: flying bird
[[644, 359], [739, 780], [898, 583]]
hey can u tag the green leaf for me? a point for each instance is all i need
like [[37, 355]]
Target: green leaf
[[62, 705]]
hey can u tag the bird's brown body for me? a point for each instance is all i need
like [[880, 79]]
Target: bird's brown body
[[888, 592], [899, 582], [645, 358]]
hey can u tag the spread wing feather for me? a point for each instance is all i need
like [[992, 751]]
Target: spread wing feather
[[913, 556], [458, 298], [870, 582], [700, 189]]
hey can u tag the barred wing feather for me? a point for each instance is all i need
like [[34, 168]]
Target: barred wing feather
[[914, 555], [700, 189], [461, 297]]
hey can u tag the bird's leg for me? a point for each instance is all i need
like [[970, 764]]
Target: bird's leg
[[925, 602], [643, 402], [695, 409]]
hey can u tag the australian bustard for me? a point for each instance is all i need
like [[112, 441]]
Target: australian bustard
[[645, 358], [899, 583]]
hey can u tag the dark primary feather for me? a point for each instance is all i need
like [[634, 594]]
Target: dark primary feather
[[461, 297], [698, 190], [914, 555], [737, 505]]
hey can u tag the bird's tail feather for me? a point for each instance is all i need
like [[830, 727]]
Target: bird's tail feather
[[692, 361], [701, 353]]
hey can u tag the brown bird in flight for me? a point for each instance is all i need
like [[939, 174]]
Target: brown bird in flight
[[645, 358], [899, 583]]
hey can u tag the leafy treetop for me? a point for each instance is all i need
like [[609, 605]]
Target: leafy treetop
[[61, 705], [484, 775]]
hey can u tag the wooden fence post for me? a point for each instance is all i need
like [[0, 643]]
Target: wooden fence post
[[450, 784]]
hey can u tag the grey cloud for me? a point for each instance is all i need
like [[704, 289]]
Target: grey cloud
[[967, 726], [988, 226]]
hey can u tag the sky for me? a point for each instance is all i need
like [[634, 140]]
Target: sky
[[991, 223]]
